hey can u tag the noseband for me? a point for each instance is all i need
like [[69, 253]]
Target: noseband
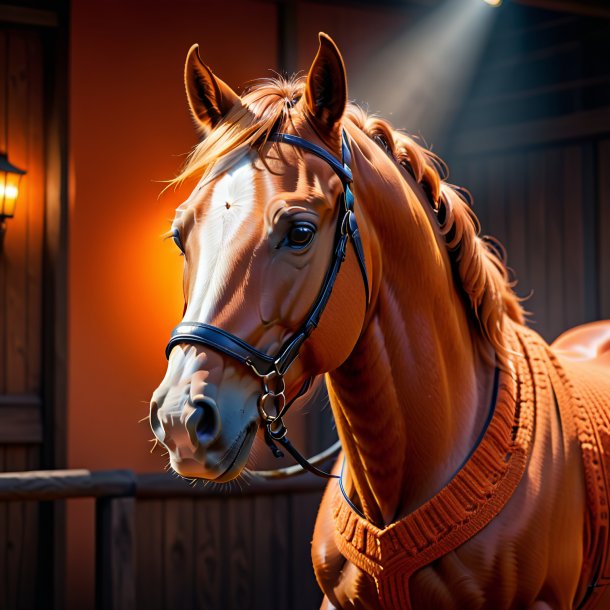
[[272, 369]]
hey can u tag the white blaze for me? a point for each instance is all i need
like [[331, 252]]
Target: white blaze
[[225, 224]]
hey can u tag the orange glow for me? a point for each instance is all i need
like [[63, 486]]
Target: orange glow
[[493, 2], [9, 191]]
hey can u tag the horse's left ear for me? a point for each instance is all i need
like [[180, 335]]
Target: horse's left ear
[[326, 88], [210, 98]]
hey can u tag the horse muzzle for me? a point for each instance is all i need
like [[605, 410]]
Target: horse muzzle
[[199, 443]]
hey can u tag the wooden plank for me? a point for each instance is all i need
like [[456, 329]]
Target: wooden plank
[[544, 131], [590, 8], [209, 550], [495, 196], [115, 554], [35, 212], [20, 424], [55, 288], [241, 555], [536, 237], [3, 261], [149, 554], [28, 16], [553, 204], [590, 200], [272, 543], [55, 259], [573, 238], [475, 181], [603, 228], [305, 591], [34, 569], [17, 553], [516, 214], [57, 484], [15, 239], [178, 543], [20, 401], [282, 549], [159, 485], [28, 573], [3, 540]]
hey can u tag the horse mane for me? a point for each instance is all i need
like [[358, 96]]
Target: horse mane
[[479, 262]]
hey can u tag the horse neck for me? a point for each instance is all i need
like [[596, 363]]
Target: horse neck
[[412, 397]]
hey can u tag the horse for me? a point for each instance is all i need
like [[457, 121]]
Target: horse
[[319, 241]]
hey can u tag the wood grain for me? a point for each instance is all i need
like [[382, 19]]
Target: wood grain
[[115, 554], [603, 227], [15, 244], [150, 580], [209, 546], [178, 551]]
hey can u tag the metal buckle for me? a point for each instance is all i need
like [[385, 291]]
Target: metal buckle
[[274, 378], [277, 430], [278, 400]]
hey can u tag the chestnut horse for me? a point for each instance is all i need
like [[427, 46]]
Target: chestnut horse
[[320, 241]]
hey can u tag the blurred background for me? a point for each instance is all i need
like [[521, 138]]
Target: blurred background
[[516, 99]]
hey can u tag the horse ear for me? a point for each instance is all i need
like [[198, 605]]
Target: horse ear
[[326, 88], [210, 99]]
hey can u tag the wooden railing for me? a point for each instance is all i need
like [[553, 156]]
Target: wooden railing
[[116, 492]]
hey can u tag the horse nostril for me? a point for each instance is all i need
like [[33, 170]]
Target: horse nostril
[[155, 423], [203, 424]]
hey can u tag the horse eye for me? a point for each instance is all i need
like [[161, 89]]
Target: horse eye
[[177, 241], [300, 235]]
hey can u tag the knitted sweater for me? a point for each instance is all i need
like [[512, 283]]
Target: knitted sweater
[[480, 490]]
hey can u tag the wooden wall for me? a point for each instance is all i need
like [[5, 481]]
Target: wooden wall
[[234, 553], [22, 136], [32, 297], [532, 145]]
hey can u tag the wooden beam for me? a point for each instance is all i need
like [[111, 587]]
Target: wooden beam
[[20, 419], [115, 554], [55, 254], [287, 37], [22, 15], [169, 486], [506, 137], [591, 8], [61, 484]]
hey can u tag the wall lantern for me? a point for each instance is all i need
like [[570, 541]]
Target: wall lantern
[[10, 177]]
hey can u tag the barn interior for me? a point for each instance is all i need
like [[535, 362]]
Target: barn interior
[[513, 95]]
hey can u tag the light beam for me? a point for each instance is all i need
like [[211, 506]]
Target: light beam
[[419, 80]]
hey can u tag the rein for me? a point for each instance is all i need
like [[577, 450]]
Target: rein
[[272, 369]]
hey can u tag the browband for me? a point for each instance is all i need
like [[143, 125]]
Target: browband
[[342, 169]]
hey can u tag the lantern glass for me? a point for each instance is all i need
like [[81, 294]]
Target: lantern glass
[[9, 192], [10, 178]]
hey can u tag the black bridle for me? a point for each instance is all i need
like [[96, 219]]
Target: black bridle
[[272, 369]]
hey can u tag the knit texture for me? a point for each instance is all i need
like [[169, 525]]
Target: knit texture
[[583, 394], [479, 491]]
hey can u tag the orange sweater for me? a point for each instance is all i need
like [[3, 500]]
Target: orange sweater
[[479, 491]]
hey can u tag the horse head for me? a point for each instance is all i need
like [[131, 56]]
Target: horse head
[[259, 234]]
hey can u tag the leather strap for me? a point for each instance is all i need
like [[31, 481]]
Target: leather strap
[[227, 343], [341, 168]]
